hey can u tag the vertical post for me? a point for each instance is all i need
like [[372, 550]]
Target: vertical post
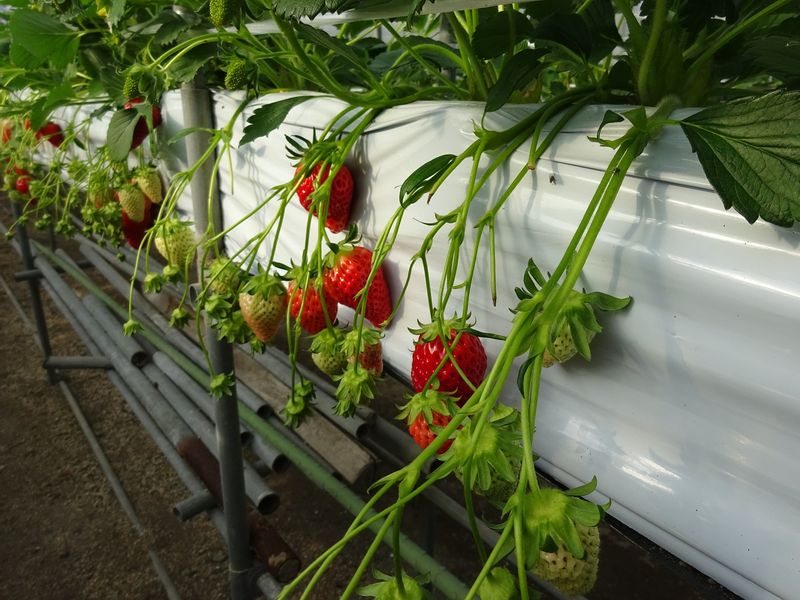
[[197, 110], [33, 285]]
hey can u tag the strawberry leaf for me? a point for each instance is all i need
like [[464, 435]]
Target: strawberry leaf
[[423, 179], [269, 117], [500, 33], [516, 74], [44, 37], [120, 133], [750, 152]]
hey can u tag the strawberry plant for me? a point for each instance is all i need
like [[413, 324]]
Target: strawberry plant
[[735, 61]]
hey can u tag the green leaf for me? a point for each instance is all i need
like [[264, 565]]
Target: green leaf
[[500, 33], [187, 66], [335, 45], [269, 117], [120, 133], [44, 37], [423, 178], [607, 302], [750, 152], [583, 490], [518, 72], [567, 30], [22, 58], [778, 55]]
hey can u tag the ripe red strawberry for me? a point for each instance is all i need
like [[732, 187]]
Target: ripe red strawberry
[[429, 351], [52, 133], [341, 195], [263, 303], [313, 318], [347, 276], [141, 130], [134, 230], [421, 431], [22, 185], [132, 201], [20, 171]]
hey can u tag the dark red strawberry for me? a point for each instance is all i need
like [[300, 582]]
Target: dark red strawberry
[[22, 185], [20, 171], [141, 130], [52, 133], [421, 431], [341, 196], [429, 351], [347, 276], [134, 230], [312, 319]]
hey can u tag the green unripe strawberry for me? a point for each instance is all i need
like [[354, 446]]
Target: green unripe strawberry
[[327, 353], [564, 347], [176, 242], [130, 89], [573, 576], [222, 12], [236, 74], [224, 276], [149, 181], [132, 202], [499, 584]]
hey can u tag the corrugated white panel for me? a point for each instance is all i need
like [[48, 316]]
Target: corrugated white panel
[[688, 413]]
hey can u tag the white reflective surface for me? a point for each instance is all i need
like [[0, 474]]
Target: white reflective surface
[[688, 414]]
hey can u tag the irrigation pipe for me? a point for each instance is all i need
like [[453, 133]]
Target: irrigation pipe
[[421, 561], [169, 425]]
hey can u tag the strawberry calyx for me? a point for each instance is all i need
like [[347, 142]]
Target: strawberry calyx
[[263, 283], [299, 404], [550, 518], [426, 403], [356, 387], [491, 466], [327, 353], [366, 345], [572, 328], [223, 276], [387, 588]]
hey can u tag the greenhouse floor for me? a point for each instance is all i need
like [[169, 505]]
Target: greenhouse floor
[[64, 534]]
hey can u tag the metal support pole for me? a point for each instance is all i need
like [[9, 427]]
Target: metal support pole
[[33, 285], [197, 110]]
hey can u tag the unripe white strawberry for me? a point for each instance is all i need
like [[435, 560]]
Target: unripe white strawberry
[[149, 181], [175, 241], [132, 202], [573, 576], [563, 347]]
